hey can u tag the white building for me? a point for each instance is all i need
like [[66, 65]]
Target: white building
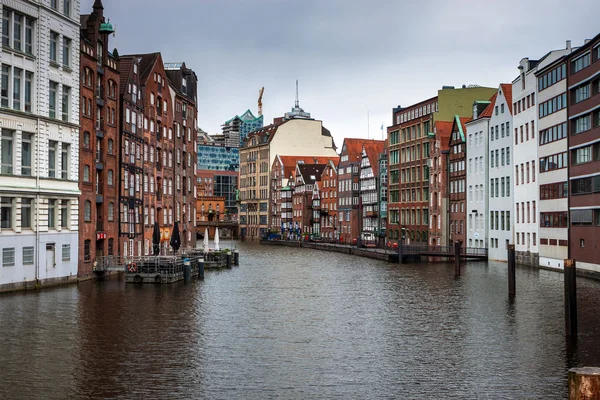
[[526, 190], [551, 106], [501, 226], [477, 173], [39, 150]]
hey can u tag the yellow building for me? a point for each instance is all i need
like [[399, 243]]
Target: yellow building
[[296, 134]]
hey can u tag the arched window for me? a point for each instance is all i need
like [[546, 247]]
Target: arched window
[[110, 177], [110, 146], [111, 211], [87, 250], [86, 139], [87, 211]]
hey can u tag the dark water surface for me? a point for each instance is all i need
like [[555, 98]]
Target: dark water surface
[[300, 324]]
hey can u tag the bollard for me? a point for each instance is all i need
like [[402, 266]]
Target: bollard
[[570, 298], [236, 257], [511, 271], [228, 259], [584, 383], [187, 270], [201, 268], [457, 258]]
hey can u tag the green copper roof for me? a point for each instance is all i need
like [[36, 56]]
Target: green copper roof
[[460, 129]]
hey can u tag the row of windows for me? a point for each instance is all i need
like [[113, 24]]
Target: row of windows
[[531, 238], [586, 185], [554, 133], [585, 217], [558, 219], [65, 43], [8, 213], [585, 122], [28, 255], [523, 104], [586, 154], [559, 190], [550, 78], [17, 31], [553, 105], [497, 134], [16, 88], [502, 157], [530, 215], [416, 113], [500, 187], [525, 132], [500, 220], [527, 173], [553, 162]]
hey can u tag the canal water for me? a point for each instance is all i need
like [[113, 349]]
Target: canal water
[[300, 324]]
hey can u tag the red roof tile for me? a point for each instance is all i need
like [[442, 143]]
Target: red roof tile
[[289, 162], [490, 108], [374, 148], [354, 147], [507, 90]]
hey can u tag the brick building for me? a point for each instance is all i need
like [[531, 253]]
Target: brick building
[[183, 92], [369, 185], [99, 142], [306, 176], [438, 181], [583, 109], [457, 189], [328, 194]]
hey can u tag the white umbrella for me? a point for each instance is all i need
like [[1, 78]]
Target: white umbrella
[[217, 239], [206, 240]]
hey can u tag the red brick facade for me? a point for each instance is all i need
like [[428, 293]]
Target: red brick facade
[[329, 188]]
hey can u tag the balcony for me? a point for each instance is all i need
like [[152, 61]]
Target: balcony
[[100, 70], [100, 128], [100, 96], [99, 161], [99, 198]]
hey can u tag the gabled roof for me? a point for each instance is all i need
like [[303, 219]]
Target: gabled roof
[[374, 148], [289, 162], [459, 126], [354, 147], [310, 173], [146, 62], [507, 91], [124, 70]]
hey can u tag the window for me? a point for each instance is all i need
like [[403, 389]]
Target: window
[[67, 7], [553, 162], [66, 56], [6, 154], [581, 155], [554, 219], [111, 211], [580, 63], [5, 79], [553, 105], [87, 251], [66, 252], [8, 257], [550, 78], [66, 100], [581, 124], [64, 214], [52, 148], [581, 93], [6, 212], [53, 93], [87, 211], [53, 46], [26, 213], [111, 246], [553, 133], [52, 214], [17, 78], [64, 160], [28, 253]]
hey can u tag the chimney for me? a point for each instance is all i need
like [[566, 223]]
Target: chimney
[[568, 45], [586, 41]]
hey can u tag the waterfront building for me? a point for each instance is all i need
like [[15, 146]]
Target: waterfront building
[[457, 185], [438, 181], [383, 193], [369, 191], [477, 173], [39, 146], [306, 177], [409, 142], [210, 209], [328, 193], [500, 175], [295, 133], [583, 110], [551, 102], [525, 155], [283, 172], [183, 84], [99, 139], [222, 184]]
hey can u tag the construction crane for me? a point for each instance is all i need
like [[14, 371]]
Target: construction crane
[[260, 94]]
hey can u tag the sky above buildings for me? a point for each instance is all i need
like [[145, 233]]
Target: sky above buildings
[[353, 58]]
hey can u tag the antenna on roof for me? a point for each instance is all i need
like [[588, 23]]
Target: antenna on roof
[[297, 102]]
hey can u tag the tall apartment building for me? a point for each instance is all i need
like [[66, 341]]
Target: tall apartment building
[[100, 141], [328, 193], [383, 193], [294, 134], [183, 84], [501, 180], [525, 156], [409, 145], [552, 171], [477, 173], [438, 181], [583, 108], [39, 146], [457, 181], [369, 211], [236, 129]]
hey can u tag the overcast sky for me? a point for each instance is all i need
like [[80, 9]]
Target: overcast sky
[[350, 56]]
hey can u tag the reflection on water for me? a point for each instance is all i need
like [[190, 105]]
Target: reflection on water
[[297, 324]]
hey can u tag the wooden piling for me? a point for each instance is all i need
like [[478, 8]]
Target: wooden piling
[[228, 259], [457, 246], [201, 268], [236, 257], [571, 298], [512, 290], [584, 383]]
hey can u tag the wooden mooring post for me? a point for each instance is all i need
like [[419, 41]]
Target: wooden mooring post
[[201, 268], [584, 383], [571, 299], [512, 290], [236, 257], [457, 246]]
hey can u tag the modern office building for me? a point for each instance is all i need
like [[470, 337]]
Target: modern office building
[[39, 146]]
